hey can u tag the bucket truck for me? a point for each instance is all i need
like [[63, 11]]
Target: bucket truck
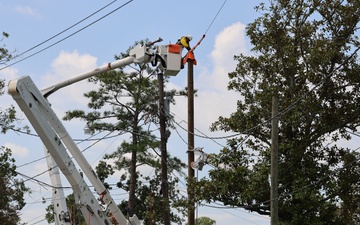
[[56, 139]]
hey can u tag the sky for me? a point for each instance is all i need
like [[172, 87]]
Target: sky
[[54, 49]]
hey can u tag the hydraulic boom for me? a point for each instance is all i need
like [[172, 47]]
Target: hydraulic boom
[[33, 102]]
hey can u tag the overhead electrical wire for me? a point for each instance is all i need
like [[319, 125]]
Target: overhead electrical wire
[[176, 130], [215, 17], [28, 222], [107, 148], [107, 136], [80, 141], [63, 31], [223, 208], [97, 140], [197, 135], [41, 183], [229, 207], [72, 34], [38, 222], [32, 178]]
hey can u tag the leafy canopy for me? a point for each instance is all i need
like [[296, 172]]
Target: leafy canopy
[[305, 52]]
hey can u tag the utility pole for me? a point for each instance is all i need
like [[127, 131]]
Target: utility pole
[[191, 144], [190, 60], [274, 162], [163, 137]]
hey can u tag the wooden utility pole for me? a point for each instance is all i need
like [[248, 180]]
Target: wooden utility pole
[[274, 162], [190, 59], [163, 137], [191, 144]]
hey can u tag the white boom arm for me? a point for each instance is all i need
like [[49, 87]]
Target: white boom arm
[[56, 139], [61, 213]]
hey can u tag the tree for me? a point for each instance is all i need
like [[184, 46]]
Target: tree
[[5, 55], [125, 102], [12, 189], [7, 116], [76, 215], [204, 221], [306, 53], [149, 202]]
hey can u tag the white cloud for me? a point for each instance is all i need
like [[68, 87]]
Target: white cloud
[[68, 64], [27, 10], [9, 73], [229, 42], [17, 150], [65, 66]]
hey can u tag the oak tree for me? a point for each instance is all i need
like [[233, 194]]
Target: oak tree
[[305, 52]]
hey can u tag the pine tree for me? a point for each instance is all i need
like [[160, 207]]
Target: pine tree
[[127, 102]]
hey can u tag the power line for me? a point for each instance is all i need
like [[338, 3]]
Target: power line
[[215, 17], [38, 222], [72, 34], [200, 136], [223, 208], [107, 136], [203, 134], [33, 178], [80, 141], [41, 183], [54, 36]]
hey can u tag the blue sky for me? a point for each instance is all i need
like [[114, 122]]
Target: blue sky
[[31, 22]]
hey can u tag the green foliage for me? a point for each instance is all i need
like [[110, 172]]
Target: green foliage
[[76, 215], [103, 171], [204, 221], [7, 116], [306, 53], [5, 55], [149, 203], [12, 190]]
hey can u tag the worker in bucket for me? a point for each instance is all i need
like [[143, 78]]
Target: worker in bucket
[[184, 41]]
